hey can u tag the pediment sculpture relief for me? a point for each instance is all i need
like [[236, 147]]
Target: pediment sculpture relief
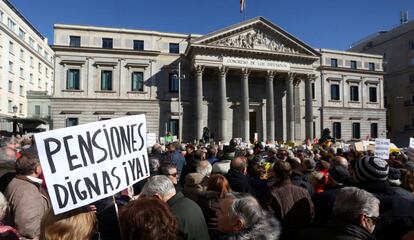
[[255, 40]]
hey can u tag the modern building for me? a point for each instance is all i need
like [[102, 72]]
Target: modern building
[[250, 79], [26, 63], [397, 48]]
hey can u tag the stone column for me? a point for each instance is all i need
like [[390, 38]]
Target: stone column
[[245, 123], [222, 104], [199, 102], [290, 121], [270, 107], [309, 106]]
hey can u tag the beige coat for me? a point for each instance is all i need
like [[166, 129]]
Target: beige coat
[[27, 202]]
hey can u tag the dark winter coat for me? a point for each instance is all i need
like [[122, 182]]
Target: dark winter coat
[[396, 209], [190, 217], [336, 229], [238, 182]]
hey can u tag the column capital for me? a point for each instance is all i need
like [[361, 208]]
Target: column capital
[[223, 70], [311, 77], [271, 74], [245, 72], [199, 69]]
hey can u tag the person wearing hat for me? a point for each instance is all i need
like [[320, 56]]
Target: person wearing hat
[[396, 203]]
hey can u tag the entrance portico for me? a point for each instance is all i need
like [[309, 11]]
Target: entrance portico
[[253, 56]]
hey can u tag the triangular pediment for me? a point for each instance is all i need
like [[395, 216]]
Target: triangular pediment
[[257, 34]]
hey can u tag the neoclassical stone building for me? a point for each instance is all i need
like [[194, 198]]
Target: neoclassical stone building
[[249, 80]]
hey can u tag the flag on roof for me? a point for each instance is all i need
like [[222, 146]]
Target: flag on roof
[[242, 5]]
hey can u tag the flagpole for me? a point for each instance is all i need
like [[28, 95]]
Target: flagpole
[[244, 9]]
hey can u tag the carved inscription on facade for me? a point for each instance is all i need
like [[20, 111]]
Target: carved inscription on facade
[[255, 64]]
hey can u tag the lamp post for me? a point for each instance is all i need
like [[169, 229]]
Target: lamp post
[[180, 125], [14, 119]]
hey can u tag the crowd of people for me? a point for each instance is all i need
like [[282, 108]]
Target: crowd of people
[[235, 191]]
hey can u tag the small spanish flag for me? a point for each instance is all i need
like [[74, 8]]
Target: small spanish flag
[[242, 5]]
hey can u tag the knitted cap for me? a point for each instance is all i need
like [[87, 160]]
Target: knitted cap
[[371, 169]]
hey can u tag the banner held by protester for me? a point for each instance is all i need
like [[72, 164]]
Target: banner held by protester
[[382, 148], [85, 163]]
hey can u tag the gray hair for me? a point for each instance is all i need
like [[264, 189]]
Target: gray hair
[[351, 202], [159, 184], [3, 206], [205, 171], [246, 208]]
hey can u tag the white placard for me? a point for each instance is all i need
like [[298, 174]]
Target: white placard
[[255, 64], [382, 148], [85, 163], [411, 143], [151, 139]]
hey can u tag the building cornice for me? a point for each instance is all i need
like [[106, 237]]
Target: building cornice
[[349, 70], [58, 48], [253, 51]]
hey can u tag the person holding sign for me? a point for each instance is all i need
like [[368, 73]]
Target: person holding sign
[[28, 202]]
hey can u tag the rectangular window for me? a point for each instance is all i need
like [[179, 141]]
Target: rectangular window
[[22, 34], [334, 62], [21, 108], [39, 83], [71, 122], [39, 67], [1, 16], [336, 133], [107, 43], [11, 47], [173, 82], [10, 66], [39, 49], [31, 78], [335, 92], [173, 127], [106, 80], [371, 66], [10, 86], [21, 54], [174, 48], [73, 79], [313, 91], [21, 90], [47, 71], [354, 93], [31, 42], [31, 61], [139, 45], [373, 94], [374, 130], [137, 81], [10, 106], [11, 25], [411, 45], [353, 65], [21, 72], [356, 130], [37, 110], [74, 41]]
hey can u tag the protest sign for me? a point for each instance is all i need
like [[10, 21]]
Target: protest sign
[[382, 148], [411, 143], [151, 139], [85, 163]]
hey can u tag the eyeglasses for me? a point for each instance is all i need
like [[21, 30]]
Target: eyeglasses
[[374, 219], [172, 174]]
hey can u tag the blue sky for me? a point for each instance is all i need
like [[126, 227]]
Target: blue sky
[[331, 24]]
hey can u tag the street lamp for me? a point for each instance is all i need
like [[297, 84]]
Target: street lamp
[[14, 119], [179, 77]]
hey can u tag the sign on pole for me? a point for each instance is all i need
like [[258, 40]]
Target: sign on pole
[[85, 163], [382, 148]]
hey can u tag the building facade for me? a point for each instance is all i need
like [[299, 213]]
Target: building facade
[[26, 63], [249, 80], [397, 48]]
